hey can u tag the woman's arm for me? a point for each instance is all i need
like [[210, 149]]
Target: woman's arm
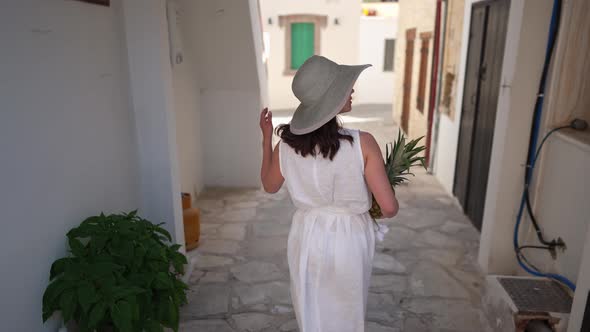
[[270, 172], [376, 177]]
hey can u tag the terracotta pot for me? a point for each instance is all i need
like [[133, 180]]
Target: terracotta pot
[[186, 201], [192, 227]]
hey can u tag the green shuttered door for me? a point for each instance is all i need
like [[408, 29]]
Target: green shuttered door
[[302, 43]]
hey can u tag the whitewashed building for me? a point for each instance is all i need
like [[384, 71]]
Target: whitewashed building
[[113, 108], [482, 145]]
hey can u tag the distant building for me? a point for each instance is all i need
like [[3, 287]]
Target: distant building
[[378, 33], [293, 31]]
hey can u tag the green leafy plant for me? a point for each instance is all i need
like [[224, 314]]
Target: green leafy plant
[[122, 274], [400, 157]]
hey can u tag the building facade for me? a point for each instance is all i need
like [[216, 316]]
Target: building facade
[[111, 108], [377, 44], [414, 58], [293, 31], [336, 29], [486, 112]]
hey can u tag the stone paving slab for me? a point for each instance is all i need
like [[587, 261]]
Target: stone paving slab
[[254, 271]]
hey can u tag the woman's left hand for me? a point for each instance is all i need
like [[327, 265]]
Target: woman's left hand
[[266, 123]]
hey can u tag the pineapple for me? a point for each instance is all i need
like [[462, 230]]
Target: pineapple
[[399, 158]]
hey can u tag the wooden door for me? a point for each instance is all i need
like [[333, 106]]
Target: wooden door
[[424, 53], [480, 100], [407, 88]]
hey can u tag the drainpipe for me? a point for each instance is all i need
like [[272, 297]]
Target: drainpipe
[[433, 81]]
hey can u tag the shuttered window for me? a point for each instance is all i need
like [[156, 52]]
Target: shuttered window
[[424, 50], [389, 54], [302, 43]]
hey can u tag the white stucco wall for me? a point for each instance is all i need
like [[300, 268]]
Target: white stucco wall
[[66, 139], [375, 85], [561, 192], [229, 64], [186, 103], [258, 45], [338, 42], [152, 99], [187, 109], [561, 187]]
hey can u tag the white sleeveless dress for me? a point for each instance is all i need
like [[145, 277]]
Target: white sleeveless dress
[[332, 239]]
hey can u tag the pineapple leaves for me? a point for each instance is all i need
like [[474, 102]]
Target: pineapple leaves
[[400, 157]]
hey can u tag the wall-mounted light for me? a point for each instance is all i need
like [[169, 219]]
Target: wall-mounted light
[[270, 21], [336, 21]]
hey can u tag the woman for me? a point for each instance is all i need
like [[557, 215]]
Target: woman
[[329, 171]]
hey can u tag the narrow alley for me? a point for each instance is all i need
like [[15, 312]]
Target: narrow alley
[[425, 275], [148, 112]]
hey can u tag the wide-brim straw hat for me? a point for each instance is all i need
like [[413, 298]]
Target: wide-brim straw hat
[[323, 88]]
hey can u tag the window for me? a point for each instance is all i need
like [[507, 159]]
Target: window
[[447, 91], [389, 55], [302, 43], [424, 50], [302, 38]]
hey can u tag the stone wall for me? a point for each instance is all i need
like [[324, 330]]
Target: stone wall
[[451, 56]]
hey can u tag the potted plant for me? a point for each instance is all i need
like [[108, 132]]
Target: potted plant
[[122, 274], [400, 157]]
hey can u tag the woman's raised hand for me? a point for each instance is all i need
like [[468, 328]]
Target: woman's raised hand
[[266, 123]]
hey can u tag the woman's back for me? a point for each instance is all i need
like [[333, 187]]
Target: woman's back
[[331, 242], [318, 182]]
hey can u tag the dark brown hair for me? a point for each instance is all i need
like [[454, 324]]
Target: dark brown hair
[[326, 139]]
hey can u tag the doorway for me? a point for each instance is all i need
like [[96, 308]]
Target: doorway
[[485, 53]]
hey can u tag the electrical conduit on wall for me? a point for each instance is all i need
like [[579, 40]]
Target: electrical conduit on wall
[[533, 151]]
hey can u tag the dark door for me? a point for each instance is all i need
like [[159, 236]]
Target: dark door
[[487, 37], [407, 88]]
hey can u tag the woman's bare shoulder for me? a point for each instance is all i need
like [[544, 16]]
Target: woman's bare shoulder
[[368, 142]]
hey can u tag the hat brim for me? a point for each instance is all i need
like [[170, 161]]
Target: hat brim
[[308, 118]]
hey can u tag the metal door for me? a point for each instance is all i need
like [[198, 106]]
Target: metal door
[[487, 36]]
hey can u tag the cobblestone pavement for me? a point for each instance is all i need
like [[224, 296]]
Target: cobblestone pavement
[[425, 276]]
